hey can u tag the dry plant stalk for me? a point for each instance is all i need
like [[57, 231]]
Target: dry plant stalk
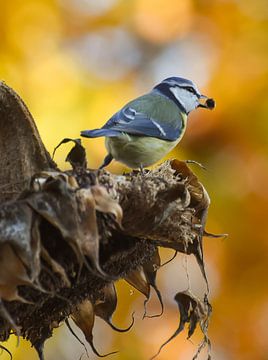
[[66, 237]]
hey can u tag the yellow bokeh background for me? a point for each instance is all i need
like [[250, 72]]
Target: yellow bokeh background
[[76, 62]]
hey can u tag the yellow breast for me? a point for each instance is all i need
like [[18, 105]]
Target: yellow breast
[[137, 151]]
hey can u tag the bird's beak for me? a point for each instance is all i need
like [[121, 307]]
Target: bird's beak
[[206, 102]]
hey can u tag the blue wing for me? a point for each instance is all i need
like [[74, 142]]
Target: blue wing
[[133, 122]]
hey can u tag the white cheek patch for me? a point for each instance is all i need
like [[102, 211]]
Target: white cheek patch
[[186, 99], [178, 93]]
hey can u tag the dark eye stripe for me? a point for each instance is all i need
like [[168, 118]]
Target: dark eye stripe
[[190, 89]]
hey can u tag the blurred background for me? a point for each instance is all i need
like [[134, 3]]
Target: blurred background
[[76, 62]]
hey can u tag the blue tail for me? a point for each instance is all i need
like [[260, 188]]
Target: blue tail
[[99, 133]]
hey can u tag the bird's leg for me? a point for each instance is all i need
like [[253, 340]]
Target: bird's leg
[[108, 158], [142, 170]]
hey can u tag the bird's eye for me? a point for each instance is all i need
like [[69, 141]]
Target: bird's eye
[[190, 89]]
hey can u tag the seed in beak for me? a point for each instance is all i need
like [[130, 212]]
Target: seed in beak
[[210, 103]]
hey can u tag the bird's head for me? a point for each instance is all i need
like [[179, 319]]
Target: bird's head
[[184, 93]]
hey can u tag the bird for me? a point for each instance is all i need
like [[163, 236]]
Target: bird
[[150, 126]]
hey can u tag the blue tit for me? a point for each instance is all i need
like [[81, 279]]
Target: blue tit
[[149, 127]]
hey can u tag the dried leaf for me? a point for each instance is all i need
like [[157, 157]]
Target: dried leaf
[[199, 197], [196, 163], [12, 274], [200, 202], [216, 236], [87, 231], [56, 267], [19, 229], [150, 271], [138, 280], [77, 155], [36, 249], [59, 199], [41, 180], [192, 311], [78, 226], [84, 319], [105, 306], [105, 203]]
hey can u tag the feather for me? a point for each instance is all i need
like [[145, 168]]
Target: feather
[[144, 126], [99, 132], [151, 115]]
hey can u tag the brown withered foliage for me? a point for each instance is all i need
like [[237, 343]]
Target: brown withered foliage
[[66, 237]]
